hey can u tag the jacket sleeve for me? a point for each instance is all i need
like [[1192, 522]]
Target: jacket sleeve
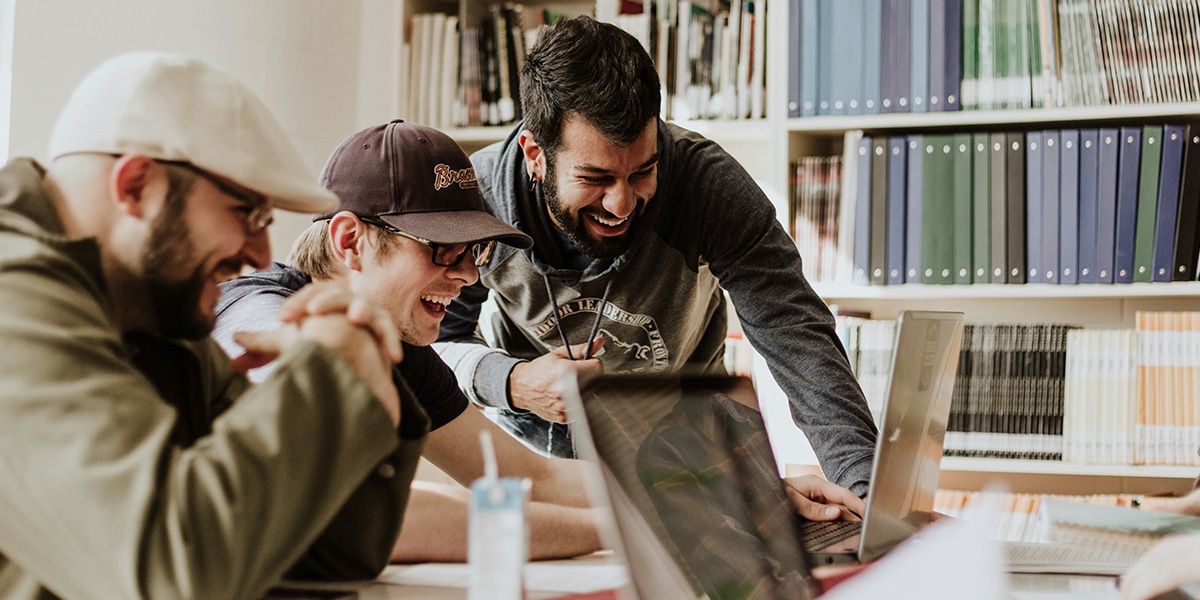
[[358, 543], [783, 318], [482, 371], [99, 503]]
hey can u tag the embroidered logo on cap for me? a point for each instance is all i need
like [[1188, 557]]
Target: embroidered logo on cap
[[444, 177]]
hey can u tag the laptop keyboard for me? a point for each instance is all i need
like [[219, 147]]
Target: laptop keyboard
[[821, 534]]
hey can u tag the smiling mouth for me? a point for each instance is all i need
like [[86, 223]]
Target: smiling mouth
[[607, 225], [436, 304]]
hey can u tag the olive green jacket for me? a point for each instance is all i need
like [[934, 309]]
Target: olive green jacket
[[141, 467]]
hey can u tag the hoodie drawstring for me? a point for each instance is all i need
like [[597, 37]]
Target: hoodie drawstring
[[595, 325]]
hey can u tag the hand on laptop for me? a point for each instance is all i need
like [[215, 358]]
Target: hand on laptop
[[817, 499], [1167, 565]]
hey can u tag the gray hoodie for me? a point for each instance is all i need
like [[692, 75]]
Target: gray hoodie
[[709, 227]]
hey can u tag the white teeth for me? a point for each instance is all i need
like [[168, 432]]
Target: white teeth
[[443, 300], [610, 223]]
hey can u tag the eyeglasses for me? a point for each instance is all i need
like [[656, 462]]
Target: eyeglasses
[[443, 255], [258, 211]]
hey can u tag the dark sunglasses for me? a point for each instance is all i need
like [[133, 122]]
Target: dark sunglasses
[[443, 255]]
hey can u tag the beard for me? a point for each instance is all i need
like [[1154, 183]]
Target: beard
[[572, 222], [174, 301]]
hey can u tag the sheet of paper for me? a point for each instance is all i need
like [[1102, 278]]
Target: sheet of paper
[[954, 559], [549, 576]]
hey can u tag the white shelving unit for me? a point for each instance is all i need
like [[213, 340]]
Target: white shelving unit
[[766, 147]]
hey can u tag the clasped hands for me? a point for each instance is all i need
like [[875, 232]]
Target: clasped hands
[[364, 335]]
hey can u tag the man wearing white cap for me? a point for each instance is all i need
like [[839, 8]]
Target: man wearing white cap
[[134, 460]]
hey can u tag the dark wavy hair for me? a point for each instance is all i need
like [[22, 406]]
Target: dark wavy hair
[[582, 68]]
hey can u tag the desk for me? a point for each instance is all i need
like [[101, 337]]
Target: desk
[[1021, 586]]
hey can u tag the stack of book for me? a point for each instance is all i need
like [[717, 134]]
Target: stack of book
[[1055, 392], [815, 213]]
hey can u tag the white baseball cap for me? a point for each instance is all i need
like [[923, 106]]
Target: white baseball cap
[[179, 108]]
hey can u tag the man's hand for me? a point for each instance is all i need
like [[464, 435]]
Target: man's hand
[[1169, 564], [536, 385], [362, 334], [1186, 505], [819, 500]]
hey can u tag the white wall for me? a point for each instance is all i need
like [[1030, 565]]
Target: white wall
[[325, 68]]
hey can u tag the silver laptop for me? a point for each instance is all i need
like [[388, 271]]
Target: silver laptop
[[908, 453], [699, 506]]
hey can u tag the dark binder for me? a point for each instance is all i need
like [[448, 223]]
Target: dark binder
[[1068, 202], [1147, 205], [862, 213], [981, 211], [896, 201], [1106, 202], [879, 213], [998, 203], [1089, 178], [915, 203], [962, 205], [1129, 161], [1015, 191], [1170, 172], [1186, 235], [1051, 205]]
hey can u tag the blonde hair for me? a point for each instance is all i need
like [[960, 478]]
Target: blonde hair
[[312, 252]]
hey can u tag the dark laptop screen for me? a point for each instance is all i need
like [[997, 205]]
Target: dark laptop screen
[[692, 455]]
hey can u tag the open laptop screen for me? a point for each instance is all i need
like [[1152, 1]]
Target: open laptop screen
[[691, 455]]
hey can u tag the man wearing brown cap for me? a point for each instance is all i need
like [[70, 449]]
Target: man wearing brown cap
[[134, 461], [409, 234]]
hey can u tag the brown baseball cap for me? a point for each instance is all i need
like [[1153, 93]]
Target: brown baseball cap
[[416, 179]]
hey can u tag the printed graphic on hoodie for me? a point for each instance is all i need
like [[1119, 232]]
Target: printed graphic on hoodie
[[633, 340]]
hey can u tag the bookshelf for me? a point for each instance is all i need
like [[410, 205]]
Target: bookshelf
[[767, 147]]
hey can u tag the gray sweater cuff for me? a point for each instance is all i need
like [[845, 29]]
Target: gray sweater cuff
[[491, 380]]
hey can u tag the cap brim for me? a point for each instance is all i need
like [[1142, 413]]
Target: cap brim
[[458, 227]]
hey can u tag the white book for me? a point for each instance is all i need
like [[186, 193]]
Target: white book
[[449, 99], [431, 85], [745, 57]]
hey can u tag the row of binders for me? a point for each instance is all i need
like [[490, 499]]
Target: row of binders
[[1064, 206], [941, 55], [1056, 392]]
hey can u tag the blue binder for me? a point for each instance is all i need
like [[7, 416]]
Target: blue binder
[[862, 213], [915, 203], [1170, 176], [1051, 205], [919, 58], [896, 232], [1033, 206], [871, 40], [1125, 227], [1068, 199], [1089, 178], [810, 50], [1106, 202]]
